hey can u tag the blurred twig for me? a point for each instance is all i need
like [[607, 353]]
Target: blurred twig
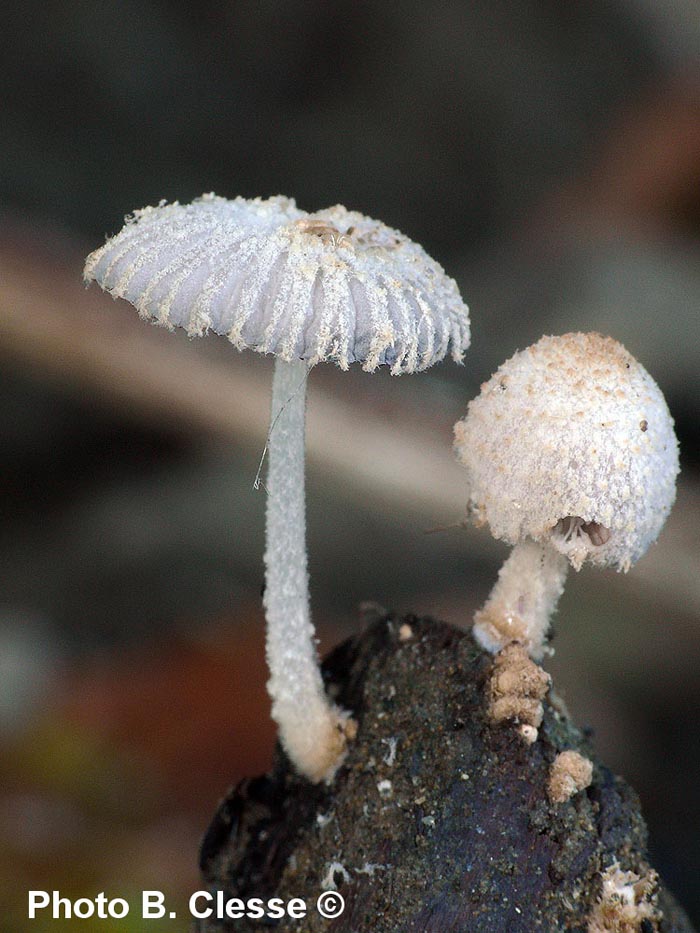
[[50, 323]]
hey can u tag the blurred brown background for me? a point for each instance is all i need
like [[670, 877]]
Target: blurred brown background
[[548, 155]]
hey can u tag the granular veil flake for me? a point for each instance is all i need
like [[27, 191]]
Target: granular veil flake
[[334, 285]]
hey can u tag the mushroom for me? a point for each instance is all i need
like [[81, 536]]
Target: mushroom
[[333, 285], [571, 457]]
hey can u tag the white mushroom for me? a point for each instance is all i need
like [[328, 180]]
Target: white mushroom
[[330, 286], [571, 456]]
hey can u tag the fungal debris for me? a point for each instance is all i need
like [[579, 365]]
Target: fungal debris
[[390, 756], [369, 868], [627, 901], [516, 688], [335, 870], [575, 538], [328, 233], [569, 774]]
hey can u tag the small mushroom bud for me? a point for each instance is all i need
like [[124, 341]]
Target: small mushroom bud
[[571, 457]]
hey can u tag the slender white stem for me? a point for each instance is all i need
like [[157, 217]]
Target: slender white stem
[[312, 730], [523, 599]]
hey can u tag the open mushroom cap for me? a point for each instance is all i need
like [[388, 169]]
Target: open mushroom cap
[[333, 285], [571, 441]]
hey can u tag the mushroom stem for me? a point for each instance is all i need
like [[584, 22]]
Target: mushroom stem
[[312, 729], [523, 599]]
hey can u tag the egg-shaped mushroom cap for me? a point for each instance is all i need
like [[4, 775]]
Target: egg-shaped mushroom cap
[[333, 285], [571, 441]]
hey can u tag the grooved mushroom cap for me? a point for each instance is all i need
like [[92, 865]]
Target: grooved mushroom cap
[[333, 285], [571, 441]]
